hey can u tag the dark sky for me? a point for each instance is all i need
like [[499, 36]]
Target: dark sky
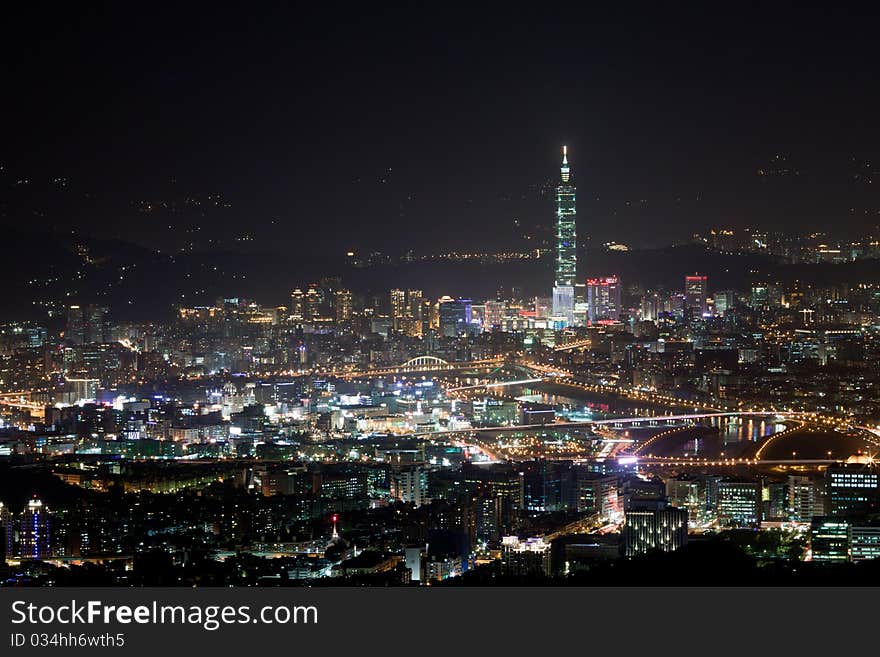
[[394, 128]]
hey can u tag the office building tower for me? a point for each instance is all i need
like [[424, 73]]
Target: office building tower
[[455, 317], [36, 336], [547, 485], [603, 299], [495, 494], [96, 326], [493, 315], [864, 543], [650, 307], [525, 558], [34, 531], [654, 525], [723, 300], [687, 493], [297, 304], [344, 305], [409, 483], [852, 488], [398, 307], [801, 498], [414, 558], [830, 539], [739, 503], [566, 244], [414, 300], [696, 294], [312, 304], [75, 333], [7, 545], [596, 493]]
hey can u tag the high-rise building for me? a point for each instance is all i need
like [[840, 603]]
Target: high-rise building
[[409, 483], [496, 495], [34, 531], [724, 300], [297, 303], [603, 299], [801, 498], [687, 493], [455, 317], [414, 299], [830, 539], [398, 307], [344, 306], [852, 488], [75, 333], [312, 304], [566, 244], [596, 493], [414, 557], [493, 315], [654, 525], [738, 502], [865, 543], [695, 293], [525, 558], [7, 545], [96, 327]]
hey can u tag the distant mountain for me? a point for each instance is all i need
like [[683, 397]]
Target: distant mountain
[[43, 271]]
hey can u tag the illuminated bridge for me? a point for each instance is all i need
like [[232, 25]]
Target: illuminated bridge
[[655, 419], [426, 364], [616, 422], [577, 344]]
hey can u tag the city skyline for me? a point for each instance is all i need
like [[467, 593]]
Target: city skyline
[[408, 296]]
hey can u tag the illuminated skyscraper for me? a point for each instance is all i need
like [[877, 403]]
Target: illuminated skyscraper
[[311, 309], [343, 306], [654, 525], [603, 298], [830, 539], [695, 293], [96, 327], [76, 328], [414, 300], [398, 306], [410, 484], [455, 317], [566, 244], [297, 304], [34, 540]]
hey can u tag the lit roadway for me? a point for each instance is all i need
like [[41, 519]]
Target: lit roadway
[[696, 462], [19, 400]]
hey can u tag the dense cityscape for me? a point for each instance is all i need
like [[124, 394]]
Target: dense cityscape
[[603, 430]]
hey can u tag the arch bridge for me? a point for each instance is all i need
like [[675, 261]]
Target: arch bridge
[[425, 362]]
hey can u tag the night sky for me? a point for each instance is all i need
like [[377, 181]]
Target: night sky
[[398, 128]]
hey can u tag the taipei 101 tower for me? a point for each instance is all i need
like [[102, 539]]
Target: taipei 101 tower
[[566, 245]]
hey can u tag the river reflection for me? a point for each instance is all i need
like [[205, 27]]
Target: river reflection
[[730, 430], [602, 407]]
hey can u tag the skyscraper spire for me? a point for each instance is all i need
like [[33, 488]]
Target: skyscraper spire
[[565, 170]]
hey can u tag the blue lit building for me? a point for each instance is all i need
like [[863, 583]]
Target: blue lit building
[[566, 244]]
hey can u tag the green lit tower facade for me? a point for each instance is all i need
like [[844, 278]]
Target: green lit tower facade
[[566, 245]]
